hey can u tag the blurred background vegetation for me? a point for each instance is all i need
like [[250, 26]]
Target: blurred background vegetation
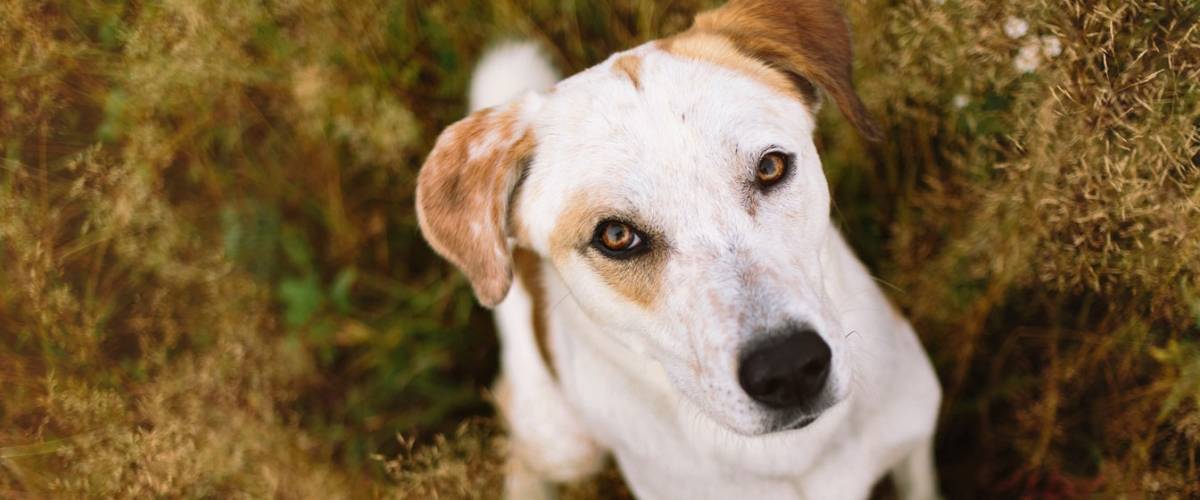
[[212, 283]]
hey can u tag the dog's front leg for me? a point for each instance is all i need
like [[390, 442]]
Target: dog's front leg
[[547, 446], [521, 482], [539, 460], [915, 476]]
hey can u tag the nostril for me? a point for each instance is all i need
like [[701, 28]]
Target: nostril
[[769, 386], [787, 370], [816, 367]]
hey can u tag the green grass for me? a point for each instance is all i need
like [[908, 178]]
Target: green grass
[[211, 280]]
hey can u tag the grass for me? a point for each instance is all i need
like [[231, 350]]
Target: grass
[[212, 284]]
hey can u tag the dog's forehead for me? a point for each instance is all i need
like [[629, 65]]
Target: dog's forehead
[[651, 99], [648, 123]]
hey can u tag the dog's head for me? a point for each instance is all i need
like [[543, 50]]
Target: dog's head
[[676, 192]]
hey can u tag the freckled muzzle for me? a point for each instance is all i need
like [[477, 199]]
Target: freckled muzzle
[[787, 370]]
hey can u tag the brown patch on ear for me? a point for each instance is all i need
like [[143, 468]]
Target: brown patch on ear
[[529, 271], [631, 67], [808, 40], [463, 191], [638, 279]]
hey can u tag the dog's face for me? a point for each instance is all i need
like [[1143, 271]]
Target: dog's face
[[676, 191]]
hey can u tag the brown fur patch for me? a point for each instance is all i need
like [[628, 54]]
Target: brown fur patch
[[573, 229], [528, 266], [721, 51], [807, 40], [462, 196], [638, 279], [631, 67]]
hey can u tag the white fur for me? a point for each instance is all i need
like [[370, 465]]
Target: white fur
[[507, 71], [656, 387]]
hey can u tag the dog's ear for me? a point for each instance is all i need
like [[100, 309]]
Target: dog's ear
[[463, 193], [807, 39]]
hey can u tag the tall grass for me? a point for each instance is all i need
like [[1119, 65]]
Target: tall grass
[[211, 281]]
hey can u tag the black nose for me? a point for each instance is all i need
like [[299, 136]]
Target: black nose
[[787, 370]]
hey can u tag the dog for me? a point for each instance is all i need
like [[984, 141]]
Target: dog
[[654, 234]]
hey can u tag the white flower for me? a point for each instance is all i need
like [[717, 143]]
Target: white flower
[[1029, 57], [1015, 27], [960, 101], [1051, 46]]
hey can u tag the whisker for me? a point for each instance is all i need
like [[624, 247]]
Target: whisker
[[886, 283]]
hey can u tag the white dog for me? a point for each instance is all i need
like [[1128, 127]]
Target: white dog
[[683, 301]]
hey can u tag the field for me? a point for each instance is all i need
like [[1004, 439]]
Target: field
[[212, 283]]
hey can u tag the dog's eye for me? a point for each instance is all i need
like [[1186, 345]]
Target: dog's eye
[[617, 239], [771, 168]]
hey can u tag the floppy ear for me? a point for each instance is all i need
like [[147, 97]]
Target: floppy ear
[[463, 191], [807, 39]]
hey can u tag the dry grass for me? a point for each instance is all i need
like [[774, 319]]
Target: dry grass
[[1046, 235], [211, 282]]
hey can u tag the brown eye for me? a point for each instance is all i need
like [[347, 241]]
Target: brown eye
[[617, 239], [617, 236], [771, 168]]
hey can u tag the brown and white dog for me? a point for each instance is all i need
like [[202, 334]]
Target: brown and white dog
[[682, 300]]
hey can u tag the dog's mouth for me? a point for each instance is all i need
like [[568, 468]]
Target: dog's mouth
[[792, 425], [800, 420], [800, 423]]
